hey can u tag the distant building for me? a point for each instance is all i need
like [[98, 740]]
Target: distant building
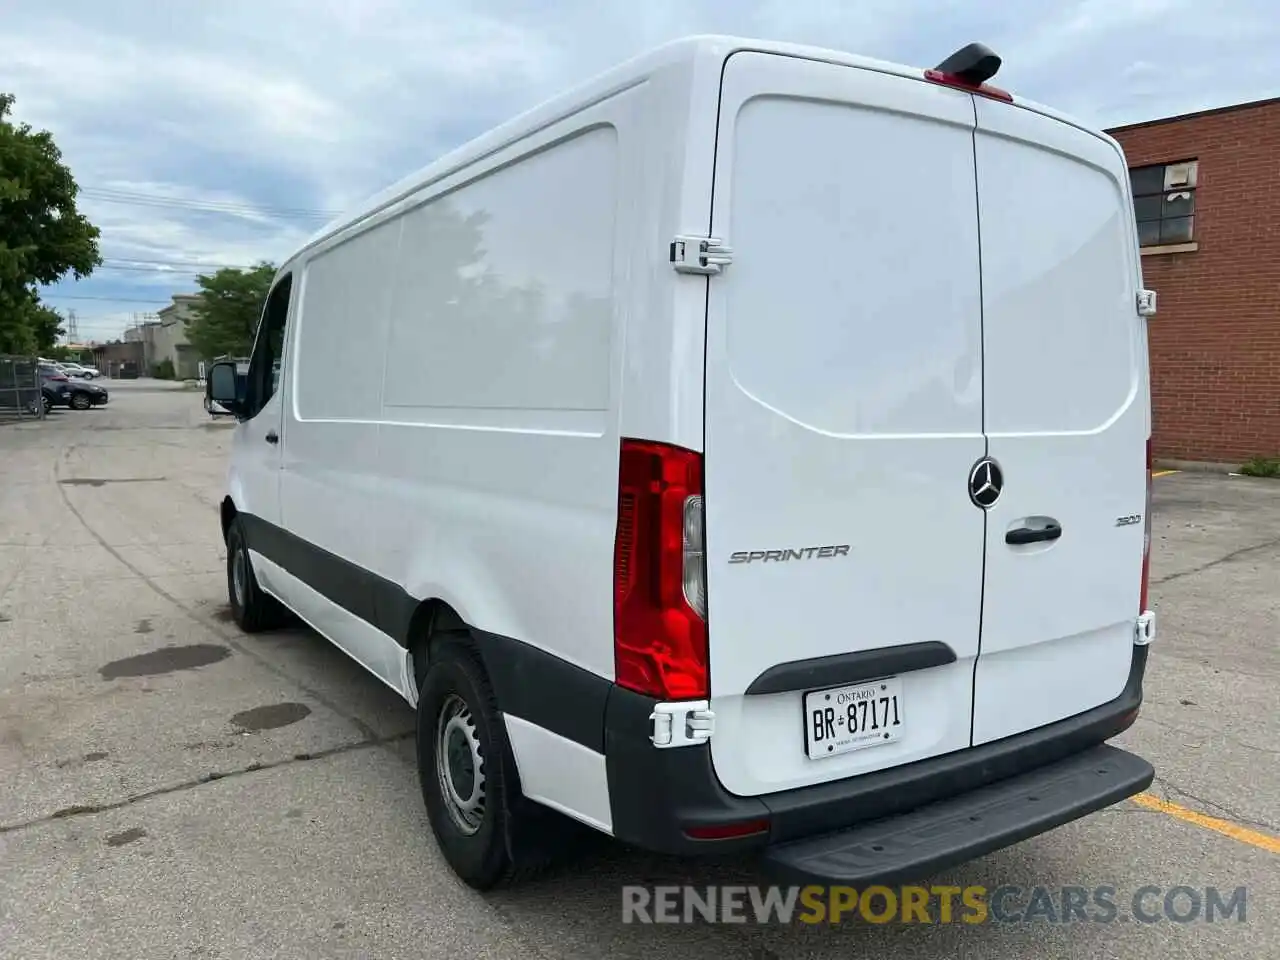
[[171, 337], [165, 338], [120, 359], [1207, 196]]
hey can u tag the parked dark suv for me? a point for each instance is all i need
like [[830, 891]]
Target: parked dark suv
[[61, 391]]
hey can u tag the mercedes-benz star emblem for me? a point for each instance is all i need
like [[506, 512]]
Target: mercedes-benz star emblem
[[985, 482]]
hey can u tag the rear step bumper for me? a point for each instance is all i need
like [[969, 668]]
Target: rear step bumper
[[656, 795], [943, 834]]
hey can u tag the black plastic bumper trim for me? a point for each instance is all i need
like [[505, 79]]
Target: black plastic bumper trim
[[655, 794], [953, 831], [545, 690], [842, 668]]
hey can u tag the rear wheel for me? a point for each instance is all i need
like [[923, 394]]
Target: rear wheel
[[488, 832], [254, 611]]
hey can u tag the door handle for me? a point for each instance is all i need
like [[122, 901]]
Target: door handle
[[1020, 535], [272, 437]]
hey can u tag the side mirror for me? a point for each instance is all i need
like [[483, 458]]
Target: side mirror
[[224, 387]]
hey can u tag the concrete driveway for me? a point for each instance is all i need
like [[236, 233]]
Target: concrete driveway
[[172, 788]]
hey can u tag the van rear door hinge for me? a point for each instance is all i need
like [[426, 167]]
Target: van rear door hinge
[[1146, 303], [681, 724], [1144, 631], [701, 255]]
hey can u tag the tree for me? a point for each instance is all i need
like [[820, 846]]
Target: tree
[[225, 317], [26, 325], [43, 237]]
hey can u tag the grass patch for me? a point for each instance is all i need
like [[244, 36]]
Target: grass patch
[[1261, 467]]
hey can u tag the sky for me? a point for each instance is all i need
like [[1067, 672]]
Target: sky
[[214, 133]]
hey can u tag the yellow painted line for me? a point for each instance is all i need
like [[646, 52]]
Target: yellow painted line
[[1163, 473], [1262, 841]]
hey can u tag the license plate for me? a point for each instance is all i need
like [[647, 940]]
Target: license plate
[[862, 715]]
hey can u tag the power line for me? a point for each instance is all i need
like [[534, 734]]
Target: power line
[[102, 329], [110, 323], [209, 206], [67, 296], [174, 269], [105, 320], [176, 263], [168, 271], [138, 196]]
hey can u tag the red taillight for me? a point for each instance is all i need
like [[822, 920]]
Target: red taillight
[[660, 640], [728, 831], [60, 379], [1146, 537], [982, 89]]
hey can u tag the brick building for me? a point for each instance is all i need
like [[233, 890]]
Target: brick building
[[1207, 196]]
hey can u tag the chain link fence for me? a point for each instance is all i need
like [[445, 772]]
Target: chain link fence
[[20, 395]]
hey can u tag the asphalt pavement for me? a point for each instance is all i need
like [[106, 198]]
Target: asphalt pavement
[[170, 787]]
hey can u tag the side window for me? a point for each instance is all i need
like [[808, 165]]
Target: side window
[[264, 367]]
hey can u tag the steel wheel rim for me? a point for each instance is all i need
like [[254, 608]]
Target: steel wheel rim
[[460, 765], [239, 571]]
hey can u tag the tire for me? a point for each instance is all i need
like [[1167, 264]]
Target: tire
[[508, 838], [253, 610], [80, 402]]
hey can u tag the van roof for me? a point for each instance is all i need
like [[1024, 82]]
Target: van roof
[[686, 52]]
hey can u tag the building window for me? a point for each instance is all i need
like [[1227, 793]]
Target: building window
[[1164, 199]]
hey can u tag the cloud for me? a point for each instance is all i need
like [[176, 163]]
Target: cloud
[[226, 133]]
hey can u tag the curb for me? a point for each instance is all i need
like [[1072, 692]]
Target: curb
[[1194, 466]]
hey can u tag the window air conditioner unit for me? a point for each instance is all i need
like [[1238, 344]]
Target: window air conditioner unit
[[1180, 175]]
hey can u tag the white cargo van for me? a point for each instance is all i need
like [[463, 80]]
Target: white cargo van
[[747, 451]]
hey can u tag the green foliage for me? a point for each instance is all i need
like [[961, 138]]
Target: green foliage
[[43, 237], [225, 318], [1262, 467], [26, 325], [66, 354], [164, 370]]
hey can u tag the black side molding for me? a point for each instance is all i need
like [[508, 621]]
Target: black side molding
[[843, 668], [530, 683], [344, 583]]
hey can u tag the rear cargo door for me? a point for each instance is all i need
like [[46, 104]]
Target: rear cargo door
[[843, 416], [1067, 419]]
